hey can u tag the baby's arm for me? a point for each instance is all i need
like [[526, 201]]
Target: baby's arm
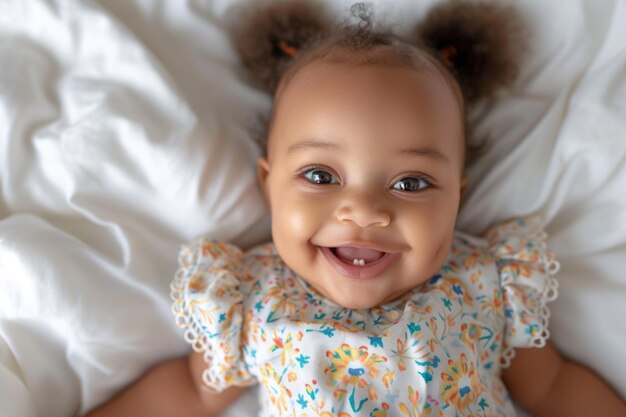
[[173, 388], [545, 384]]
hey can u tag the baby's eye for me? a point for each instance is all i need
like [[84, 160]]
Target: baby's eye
[[319, 176], [411, 184]]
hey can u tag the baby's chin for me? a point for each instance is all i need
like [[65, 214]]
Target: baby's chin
[[362, 300]]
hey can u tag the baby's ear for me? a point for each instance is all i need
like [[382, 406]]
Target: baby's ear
[[263, 171], [272, 36], [464, 188], [481, 43]]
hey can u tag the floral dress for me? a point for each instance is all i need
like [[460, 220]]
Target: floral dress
[[437, 351]]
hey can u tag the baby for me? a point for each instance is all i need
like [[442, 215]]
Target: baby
[[368, 302]]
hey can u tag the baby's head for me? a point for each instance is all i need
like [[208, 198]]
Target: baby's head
[[364, 166]]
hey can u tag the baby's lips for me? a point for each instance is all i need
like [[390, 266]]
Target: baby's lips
[[360, 269]]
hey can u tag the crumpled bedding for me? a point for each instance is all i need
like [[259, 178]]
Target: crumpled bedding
[[125, 131]]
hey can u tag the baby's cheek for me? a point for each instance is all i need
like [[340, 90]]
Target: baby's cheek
[[297, 220], [293, 227], [300, 221]]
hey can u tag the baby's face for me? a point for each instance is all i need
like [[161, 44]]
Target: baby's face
[[363, 179]]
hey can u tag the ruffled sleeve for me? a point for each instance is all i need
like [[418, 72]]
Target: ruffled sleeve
[[526, 270], [208, 305]]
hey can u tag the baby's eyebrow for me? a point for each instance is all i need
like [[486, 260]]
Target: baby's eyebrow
[[313, 143], [428, 153]]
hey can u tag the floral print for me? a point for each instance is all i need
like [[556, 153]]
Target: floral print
[[352, 366], [437, 351], [461, 383]]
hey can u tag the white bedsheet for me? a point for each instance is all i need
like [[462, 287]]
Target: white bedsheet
[[125, 131]]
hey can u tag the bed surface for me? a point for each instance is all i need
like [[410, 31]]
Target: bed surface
[[125, 131]]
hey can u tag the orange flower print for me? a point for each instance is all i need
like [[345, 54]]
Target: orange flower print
[[417, 407], [208, 315], [401, 353], [473, 334], [197, 283], [455, 289], [474, 257], [217, 250], [284, 304], [352, 366], [460, 383], [520, 269], [284, 343], [493, 306], [279, 395]]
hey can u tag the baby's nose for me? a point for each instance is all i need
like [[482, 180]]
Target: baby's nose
[[363, 212]]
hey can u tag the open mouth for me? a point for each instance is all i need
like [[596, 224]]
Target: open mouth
[[361, 263]]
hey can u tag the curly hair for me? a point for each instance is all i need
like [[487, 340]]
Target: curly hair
[[473, 48]]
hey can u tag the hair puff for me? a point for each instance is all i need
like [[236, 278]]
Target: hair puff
[[275, 34], [480, 43]]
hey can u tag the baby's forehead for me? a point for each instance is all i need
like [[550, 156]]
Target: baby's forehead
[[330, 98], [305, 84], [327, 61], [396, 55]]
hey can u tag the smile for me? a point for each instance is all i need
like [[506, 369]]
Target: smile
[[359, 263]]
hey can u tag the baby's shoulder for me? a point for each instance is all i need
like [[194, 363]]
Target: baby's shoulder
[[518, 239], [510, 254], [264, 260], [470, 270], [263, 268], [467, 252], [464, 242]]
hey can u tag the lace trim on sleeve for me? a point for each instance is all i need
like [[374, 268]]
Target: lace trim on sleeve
[[513, 240], [222, 355]]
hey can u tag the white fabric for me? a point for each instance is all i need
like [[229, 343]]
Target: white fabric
[[124, 132]]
